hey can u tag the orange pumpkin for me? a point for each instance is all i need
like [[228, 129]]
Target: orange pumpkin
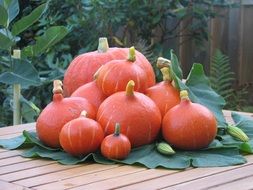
[[56, 114], [81, 136], [91, 92], [138, 115], [116, 146], [83, 67], [114, 76], [164, 94], [189, 126]]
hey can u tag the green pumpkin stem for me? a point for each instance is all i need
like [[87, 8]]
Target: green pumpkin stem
[[184, 95], [166, 74], [103, 45], [117, 129], [131, 54], [130, 88]]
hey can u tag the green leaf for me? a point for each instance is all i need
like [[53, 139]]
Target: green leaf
[[175, 65], [28, 20], [52, 35], [12, 8], [29, 110], [5, 40], [3, 17], [215, 155], [23, 73], [244, 122], [12, 143]]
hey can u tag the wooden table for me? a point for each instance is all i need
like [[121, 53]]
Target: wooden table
[[18, 173]]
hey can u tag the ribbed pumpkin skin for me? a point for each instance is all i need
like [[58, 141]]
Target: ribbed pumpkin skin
[[145, 65], [90, 92], [139, 117], [56, 114], [115, 147], [164, 95], [81, 136], [189, 126], [114, 76], [83, 67]]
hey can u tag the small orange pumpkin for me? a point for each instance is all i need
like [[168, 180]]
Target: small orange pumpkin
[[116, 146], [164, 94], [114, 76], [189, 126], [59, 112], [138, 115], [81, 136]]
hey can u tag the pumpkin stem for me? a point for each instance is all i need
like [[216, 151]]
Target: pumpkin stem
[[131, 54], [130, 88], [117, 129], [57, 87], [163, 62], [57, 90], [103, 45], [166, 73], [184, 95], [84, 114]]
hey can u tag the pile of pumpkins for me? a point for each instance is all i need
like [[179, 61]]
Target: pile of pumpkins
[[109, 100]]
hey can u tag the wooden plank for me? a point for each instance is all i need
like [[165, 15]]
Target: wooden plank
[[241, 184], [121, 181], [16, 129], [24, 165], [90, 178], [215, 180], [13, 160], [9, 186], [8, 154], [62, 177], [39, 170], [182, 177]]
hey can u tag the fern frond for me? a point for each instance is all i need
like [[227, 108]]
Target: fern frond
[[221, 76]]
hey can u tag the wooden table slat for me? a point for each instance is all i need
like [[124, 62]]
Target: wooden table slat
[[16, 129], [241, 184], [58, 177], [9, 186], [214, 180], [89, 178]]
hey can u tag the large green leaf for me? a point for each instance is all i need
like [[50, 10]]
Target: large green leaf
[[215, 155], [29, 110], [175, 65], [244, 122], [12, 8], [52, 35], [28, 20], [3, 17], [5, 40], [23, 73]]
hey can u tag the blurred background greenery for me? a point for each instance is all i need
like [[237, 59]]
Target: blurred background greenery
[[73, 27]]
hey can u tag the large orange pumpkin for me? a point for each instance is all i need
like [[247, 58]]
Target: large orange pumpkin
[[114, 76], [91, 92], [164, 94], [189, 126], [81, 136], [57, 113], [83, 67], [138, 115]]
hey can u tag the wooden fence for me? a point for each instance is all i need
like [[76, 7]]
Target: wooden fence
[[232, 33]]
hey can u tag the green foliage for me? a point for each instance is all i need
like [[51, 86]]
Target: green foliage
[[22, 71], [222, 79]]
